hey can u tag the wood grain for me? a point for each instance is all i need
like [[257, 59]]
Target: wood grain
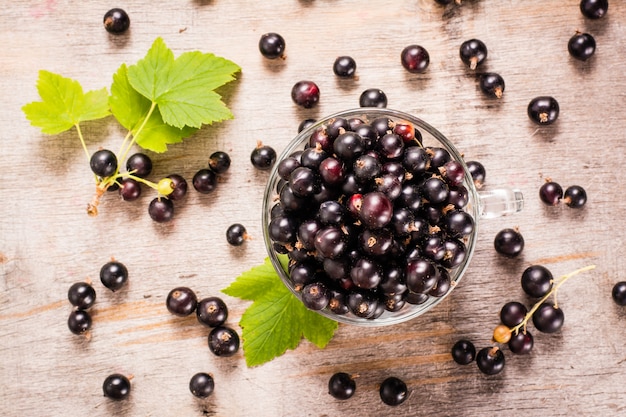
[[48, 242]]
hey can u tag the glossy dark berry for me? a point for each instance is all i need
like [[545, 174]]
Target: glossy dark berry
[[477, 172], [305, 124], [202, 385], [341, 386], [219, 162], [79, 321], [491, 84], [575, 196], [315, 296], [548, 318], [344, 66], [205, 181], [116, 387], [236, 234], [619, 293], [490, 360], [509, 242], [223, 341], [161, 209], [263, 157], [272, 45], [543, 110], [103, 163], [305, 93], [393, 391], [116, 21], [373, 97], [376, 210], [537, 281], [181, 301], [113, 275], [81, 295], [550, 193], [180, 187], [581, 46], [513, 313], [212, 311], [130, 189], [521, 342], [473, 52], [139, 164], [594, 9], [415, 59], [463, 352]]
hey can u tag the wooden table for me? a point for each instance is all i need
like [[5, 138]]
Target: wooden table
[[48, 242]]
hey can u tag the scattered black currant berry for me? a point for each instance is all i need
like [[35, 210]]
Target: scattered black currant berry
[[619, 293], [212, 311], [509, 242], [393, 391], [201, 385], [116, 21], [373, 97], [548, 318], [139, 164], [550, 193], [415, 59], [181, 301], [537, 281], [236, 234], [263, 157], [463, 352], [219, 162], [491, 84], [473, 52], [594, 9], [113, 275], [305, 93], [205, 181], [341, 386], [581, 46], [223, 341], [180, 187], [103, 163], [272, 46], [477, 172], [116, 387], [161, 209], [79, 321], [81, 295], [543, 110], [490, 360], [575, 196], [344, 66]]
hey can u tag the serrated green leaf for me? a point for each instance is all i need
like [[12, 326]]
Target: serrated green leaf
[[156, 134], [183, 87], [319, 330], [255, 282], [64, 104]]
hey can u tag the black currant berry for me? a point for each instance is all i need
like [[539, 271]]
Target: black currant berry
[[205, 181], [180, 187], [103, 163], [79, 321], [473, 52], [594, 9], [548, 318], [81, 295], [116, 387], [491, 84], [477, 172], [619, 293], [116, 21], [113, 275], [344, 66], [305, 124], [212, 311], [315, 296], [575, 196], [537, 281], [373, 97], [415, 58], [161, 209], [341, 386], [490, 360], [305, 93], [463, 352], [181, 301], [521, 342], [581, 46], [393, 391], [236, 234], [263, 157], [543, 110], [513, 313], [550, 193], [223, 341], [219, 162], [201, 385], [272, 46], [509, 242], [129, 189], [139, 164]]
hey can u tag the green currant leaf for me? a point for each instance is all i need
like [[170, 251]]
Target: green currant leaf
[[64, 104], [254, 283], [183, 87]]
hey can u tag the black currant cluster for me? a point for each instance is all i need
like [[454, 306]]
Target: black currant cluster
[[393, 391], [82, 295], [211, 312], [551, 193], [371, 220]]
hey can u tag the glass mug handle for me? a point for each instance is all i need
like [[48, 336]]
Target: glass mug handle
[[500, 202]]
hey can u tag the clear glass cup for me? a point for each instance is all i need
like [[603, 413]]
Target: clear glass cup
[[481, 204]]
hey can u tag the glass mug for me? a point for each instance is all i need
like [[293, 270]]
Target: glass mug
[[481, 204]]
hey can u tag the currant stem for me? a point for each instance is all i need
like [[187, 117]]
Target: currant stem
[[82, 141], [124, 154], [554, 289]]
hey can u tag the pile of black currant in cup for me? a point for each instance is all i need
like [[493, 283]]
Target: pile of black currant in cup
[[370, 218]]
